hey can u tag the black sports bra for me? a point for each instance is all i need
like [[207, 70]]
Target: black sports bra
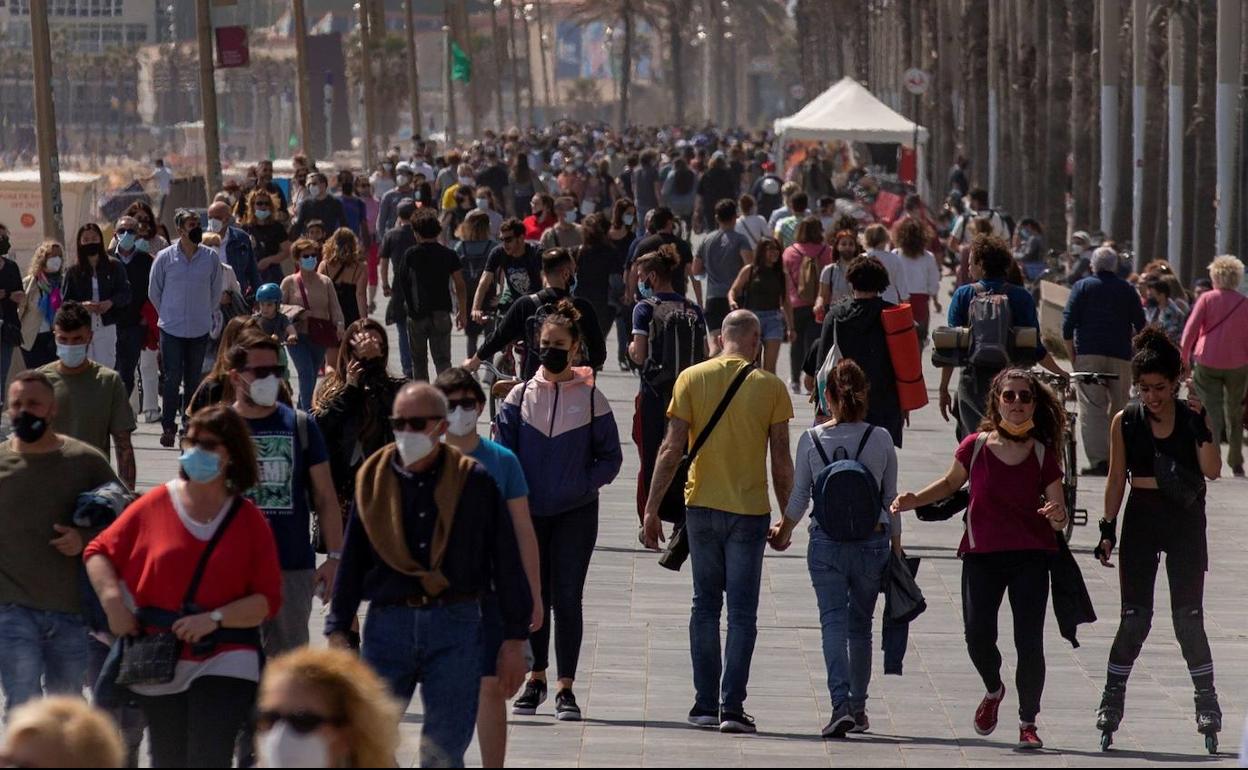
[[1141, 444]]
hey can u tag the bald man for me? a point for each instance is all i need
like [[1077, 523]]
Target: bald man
[[429, 534], [728, 517], [237, 248]]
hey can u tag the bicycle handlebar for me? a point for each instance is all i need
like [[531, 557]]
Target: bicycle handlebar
[[1084, 377]]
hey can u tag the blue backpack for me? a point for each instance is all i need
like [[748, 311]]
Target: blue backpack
[[847, 496]]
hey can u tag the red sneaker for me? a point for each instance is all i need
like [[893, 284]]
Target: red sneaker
[[986, 714], [1029, 739]]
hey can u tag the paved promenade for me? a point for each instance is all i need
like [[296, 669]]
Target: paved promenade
[[635, 684]]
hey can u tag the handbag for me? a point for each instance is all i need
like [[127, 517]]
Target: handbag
[[672, 507], [321, 331], [153, 658]]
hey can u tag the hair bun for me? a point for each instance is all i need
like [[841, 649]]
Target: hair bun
[[567, 309], [1152, 338]]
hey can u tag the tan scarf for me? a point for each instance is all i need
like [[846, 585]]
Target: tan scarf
[[379, 503]]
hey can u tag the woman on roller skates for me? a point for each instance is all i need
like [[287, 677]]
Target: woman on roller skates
[[1015, 510], [1164, 446]]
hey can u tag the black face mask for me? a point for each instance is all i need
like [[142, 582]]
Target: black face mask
[[374, 366], [4, 245], [91, 249], [554, 359], [196, 235], [28, 428]]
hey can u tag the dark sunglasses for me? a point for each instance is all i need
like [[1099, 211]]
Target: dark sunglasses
[[206, 444], [413, 424], [1022, 396], [469, 403], [301, 722], [126, 231], [264, 371], [315, 254]]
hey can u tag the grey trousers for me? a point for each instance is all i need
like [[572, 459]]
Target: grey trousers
[[430, 335], [1099, 403], [289, 629]]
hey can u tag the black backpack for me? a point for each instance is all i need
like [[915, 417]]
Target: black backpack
[[847, 498], [677, 341], [474, 263]]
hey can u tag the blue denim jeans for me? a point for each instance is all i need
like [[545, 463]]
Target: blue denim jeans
[[847, 579], [308, 358], [44, 653], [440, 649], [726, 551], [183, 361]]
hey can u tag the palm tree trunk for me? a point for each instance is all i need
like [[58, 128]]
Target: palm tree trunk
[[1028, 103], [975, 96], [498, 52], [1153, 238], [676, 53], [626, 74], [513, 54], [1204, 140], [1079, 125], [543, 38], [1057, 142]]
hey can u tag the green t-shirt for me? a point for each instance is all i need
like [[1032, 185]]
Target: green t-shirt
[[91, 405], [37, 491]]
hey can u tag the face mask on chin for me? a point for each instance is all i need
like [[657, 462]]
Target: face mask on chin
[[1017, 432]]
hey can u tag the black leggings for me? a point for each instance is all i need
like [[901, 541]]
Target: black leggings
[[807, 336], [565, 544], [197, 728], [1151, 528], [985, 579]]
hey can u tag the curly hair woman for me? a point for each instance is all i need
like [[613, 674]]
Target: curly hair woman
[[1015, 510], [347, 266]]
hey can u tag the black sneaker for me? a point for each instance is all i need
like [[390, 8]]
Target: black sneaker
[[841, 723], [533, 696], [700, 717], [167, 439], [736, 722], [566, 709], [861, 723]]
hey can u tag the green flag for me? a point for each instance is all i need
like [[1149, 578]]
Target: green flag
[[461, 64]]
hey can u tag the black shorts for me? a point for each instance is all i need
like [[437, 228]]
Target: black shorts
[[717, 310], [491, 634]]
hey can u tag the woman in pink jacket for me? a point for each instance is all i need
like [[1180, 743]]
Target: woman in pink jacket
[[1215, 346]]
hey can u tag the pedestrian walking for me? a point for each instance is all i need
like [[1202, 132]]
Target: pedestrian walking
[[846, 563], [1016, 507], [344, 262], [721, 257], [474, 247], [727, 509], [1164, 516], [197, 561], [186, 286], [132, 328], [1216, 349], [1102, 314], [101, 285], [11, 296], [320, 325], [804, 261], [761, 288], [555, 421], [920, 271], [394, 244], [876, 240], [428, 535], [425, 279], [237, 248]]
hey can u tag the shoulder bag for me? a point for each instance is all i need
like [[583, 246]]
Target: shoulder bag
[[323, 332], [153, 658]]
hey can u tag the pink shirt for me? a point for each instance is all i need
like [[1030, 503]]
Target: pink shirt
[[1217, 331], [792, 259]]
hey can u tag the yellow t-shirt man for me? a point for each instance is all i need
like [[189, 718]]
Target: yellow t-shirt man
[[730, 471]]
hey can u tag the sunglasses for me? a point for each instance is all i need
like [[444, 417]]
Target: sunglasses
[[469, 403], [313, 254], [1021, 396], [302, 722], [206, 444], [413, 424], [126, 231], [264, 371]]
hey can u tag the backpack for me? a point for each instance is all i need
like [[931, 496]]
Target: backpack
[[847, 498], [808, 276], [677, 341], [474, 264], [991, 323]]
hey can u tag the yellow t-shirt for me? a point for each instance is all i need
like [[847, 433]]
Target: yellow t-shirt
[[448, 197], [730, 471]]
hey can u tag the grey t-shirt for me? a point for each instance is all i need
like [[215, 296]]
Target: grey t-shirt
[[721, 257], [879, 456]]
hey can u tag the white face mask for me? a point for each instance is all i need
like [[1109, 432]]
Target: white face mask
[[264, 392], [314, 190], [283, 747], [462, 422], [413, 447], [483, 204], [54, 264], [404, 180], [215, 225], [466, 181]]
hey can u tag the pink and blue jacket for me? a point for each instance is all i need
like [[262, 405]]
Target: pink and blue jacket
[[565, 436]]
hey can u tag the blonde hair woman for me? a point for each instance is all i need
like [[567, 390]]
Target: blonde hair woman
[[1214, 341], [346, 265], [325, 708], [61, 732], [42, 297]]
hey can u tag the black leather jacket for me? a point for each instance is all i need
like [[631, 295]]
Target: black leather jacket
[[114, 286]]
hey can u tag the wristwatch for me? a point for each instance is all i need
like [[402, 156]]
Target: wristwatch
[[335, 555], [217, 618]]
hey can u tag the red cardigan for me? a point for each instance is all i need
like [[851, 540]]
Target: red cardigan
[[155, 555]]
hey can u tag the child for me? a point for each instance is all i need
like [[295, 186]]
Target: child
[[272, 320]]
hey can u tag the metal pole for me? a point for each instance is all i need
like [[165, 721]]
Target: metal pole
[[208, 99], [301, 75], [45, 123], [1111, 20], [499, 50], [413, 76], [995, 30], [1140, 10], [1175, 171], [1229, 73], [366, 59]]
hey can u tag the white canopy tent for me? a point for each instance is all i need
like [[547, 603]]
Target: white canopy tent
[[850, 113]]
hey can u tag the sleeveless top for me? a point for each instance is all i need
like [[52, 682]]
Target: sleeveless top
[[1180, 444], [764, 290]]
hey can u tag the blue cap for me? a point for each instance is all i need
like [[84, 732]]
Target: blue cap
[[270, 292]]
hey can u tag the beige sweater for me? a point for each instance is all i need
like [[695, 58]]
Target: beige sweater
[[322, 299]]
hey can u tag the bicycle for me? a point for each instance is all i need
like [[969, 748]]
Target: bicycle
[[497, 385], [1069, 459]]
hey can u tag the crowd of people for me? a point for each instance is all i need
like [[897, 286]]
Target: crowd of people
[[187, 610]]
